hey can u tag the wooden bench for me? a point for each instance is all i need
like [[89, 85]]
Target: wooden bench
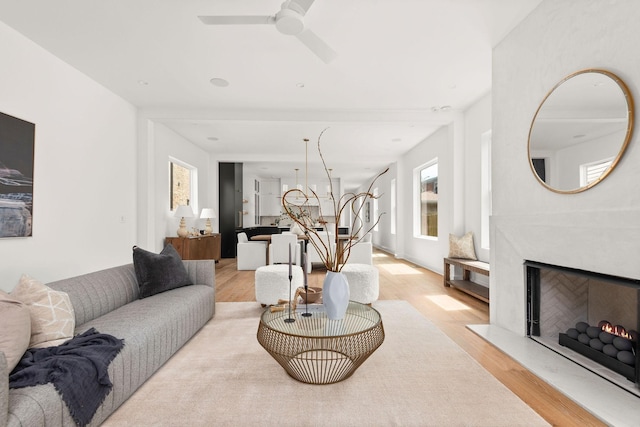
[[466, 285]]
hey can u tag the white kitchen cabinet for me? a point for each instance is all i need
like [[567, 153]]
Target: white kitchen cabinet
[[270, 197]]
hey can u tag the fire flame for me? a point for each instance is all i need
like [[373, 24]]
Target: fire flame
[[616, 330]]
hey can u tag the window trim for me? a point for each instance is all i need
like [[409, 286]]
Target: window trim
[[193, 184], [417, 200]]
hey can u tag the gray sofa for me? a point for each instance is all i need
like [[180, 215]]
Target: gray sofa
[[153, 329]]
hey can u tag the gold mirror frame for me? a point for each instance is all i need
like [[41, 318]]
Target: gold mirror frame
[[629, 131]]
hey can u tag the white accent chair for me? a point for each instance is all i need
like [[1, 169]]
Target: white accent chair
[[250, 255], [279, 249], [364, 282], [272, 283], [362, 252], [312, 254]]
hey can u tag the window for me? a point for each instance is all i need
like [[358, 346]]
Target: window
[[182, 186], [485, 189], [428, 198], [393, 206], [591, 172]]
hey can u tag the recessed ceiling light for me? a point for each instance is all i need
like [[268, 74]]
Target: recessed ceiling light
[[212, 138], [216, 81], [300, 85], [580, 135], [143, 83], [396, 140]]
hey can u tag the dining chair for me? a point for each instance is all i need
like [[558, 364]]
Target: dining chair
[[250, 255], [322, 240], [279, 249]]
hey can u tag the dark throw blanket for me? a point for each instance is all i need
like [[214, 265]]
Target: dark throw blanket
[[77, 369]]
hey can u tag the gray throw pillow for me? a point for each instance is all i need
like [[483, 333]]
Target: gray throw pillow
[[159, 272]]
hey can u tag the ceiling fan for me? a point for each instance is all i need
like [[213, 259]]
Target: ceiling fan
[[289, 20]]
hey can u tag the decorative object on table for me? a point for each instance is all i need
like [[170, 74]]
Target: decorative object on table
[[306, 286], [16, 176], [207, 213], [183, 212], [284, 304], [295, 229], [335, 295], [290, 319], [314, 294], [296, 202]]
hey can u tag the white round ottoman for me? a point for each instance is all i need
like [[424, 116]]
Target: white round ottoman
[[364, 286], [272, 283]]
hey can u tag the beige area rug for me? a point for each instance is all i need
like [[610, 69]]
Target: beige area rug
[[418, 377]]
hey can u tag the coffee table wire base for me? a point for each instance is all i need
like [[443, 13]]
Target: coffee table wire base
[[316, 350]]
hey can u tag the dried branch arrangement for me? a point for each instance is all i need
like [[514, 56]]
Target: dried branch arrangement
[[298, 212]]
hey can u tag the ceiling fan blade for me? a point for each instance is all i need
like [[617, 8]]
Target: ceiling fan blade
[[237, 20], [303, 5], [317, 46]]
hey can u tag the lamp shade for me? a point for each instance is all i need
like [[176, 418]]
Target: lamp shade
[[184, 211], [207, 213]]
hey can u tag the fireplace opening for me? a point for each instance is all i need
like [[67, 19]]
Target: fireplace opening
[[588, 317]]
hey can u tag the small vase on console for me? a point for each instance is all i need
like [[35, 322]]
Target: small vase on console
[[335, 295]]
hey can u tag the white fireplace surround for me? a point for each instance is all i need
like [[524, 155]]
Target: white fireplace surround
[[596, 230]]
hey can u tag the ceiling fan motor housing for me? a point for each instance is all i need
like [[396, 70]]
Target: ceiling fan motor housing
[[289, 22]]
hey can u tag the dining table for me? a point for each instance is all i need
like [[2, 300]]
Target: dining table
[[303, 238]]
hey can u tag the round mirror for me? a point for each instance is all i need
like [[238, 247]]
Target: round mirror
[[580, 131]]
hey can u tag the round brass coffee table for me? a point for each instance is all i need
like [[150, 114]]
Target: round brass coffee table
[[317, 350]]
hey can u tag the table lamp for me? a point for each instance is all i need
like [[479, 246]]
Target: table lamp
[[207, 213], [183, 212]]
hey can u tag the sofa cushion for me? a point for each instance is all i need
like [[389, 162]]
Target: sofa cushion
[[52, 318], [16, 329], [159, 272]]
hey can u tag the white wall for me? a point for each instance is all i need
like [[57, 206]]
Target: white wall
[[595, 230], [156, 143], [477, 121], [383, 238], [84, 179], [427, 252], [169, 145]]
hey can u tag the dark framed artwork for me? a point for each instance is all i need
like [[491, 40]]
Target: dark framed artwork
[[17, 138], [367, 212]]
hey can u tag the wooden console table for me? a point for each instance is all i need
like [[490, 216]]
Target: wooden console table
[[466, 285], [198, 247]]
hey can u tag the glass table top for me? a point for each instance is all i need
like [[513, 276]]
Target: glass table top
[[358, 318]]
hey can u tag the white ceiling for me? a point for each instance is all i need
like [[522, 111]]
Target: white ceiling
[[398, 63]]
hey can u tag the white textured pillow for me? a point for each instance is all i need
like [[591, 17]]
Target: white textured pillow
[[52, 318], [16, 329], [462, 247]]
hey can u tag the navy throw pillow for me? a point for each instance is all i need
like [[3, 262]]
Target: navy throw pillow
[[159, 272]]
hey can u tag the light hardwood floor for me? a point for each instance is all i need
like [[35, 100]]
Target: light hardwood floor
[[451, 311]]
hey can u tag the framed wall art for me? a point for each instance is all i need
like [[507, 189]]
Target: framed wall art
[[17, 139]]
